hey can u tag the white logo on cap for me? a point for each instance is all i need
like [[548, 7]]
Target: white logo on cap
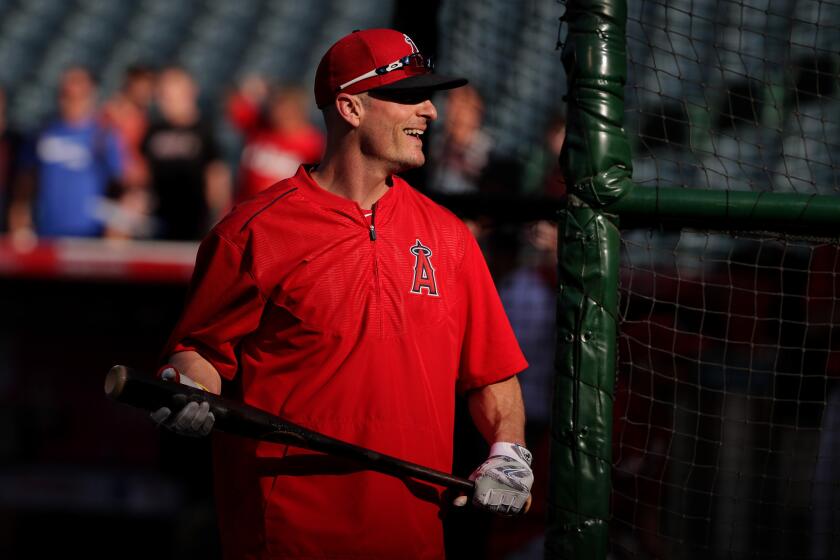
[[408, 40]]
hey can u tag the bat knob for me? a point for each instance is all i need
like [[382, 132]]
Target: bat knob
[[115, 381]]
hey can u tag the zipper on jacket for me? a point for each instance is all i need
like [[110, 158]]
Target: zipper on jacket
[[372, 230], [378, 288]]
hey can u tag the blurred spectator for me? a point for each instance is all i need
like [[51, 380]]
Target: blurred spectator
[[276, 148], [825, 497], [10, 144], [542, 174], [67, 169], [529, 301], [463, 149], [190, 184], [245, 104], [127, 113]]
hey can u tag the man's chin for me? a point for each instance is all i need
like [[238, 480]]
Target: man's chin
[[408, 165]]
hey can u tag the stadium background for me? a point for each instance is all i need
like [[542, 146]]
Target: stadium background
[[79, 474], [731, 95], [506, 48]]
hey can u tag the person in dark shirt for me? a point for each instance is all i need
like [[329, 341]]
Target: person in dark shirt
[[10, 145], [190, 184]]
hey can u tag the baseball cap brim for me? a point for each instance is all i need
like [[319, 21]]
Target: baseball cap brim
[[424, 82]]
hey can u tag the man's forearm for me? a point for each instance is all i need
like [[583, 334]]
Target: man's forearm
[[503, 482], [498, 411], [20, 206], [218, 189], [198, 369]]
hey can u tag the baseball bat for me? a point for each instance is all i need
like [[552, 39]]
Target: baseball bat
[[130, 387]]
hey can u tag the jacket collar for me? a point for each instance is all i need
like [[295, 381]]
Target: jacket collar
[[315, 193]]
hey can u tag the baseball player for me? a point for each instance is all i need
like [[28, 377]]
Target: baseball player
[[347, 302]]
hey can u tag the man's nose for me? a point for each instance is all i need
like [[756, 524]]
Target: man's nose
[[427, 110]]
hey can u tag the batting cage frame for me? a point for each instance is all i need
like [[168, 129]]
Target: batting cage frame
[[603, 199]]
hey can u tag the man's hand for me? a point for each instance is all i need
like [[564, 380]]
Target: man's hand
[[503, 482], [194, 419]]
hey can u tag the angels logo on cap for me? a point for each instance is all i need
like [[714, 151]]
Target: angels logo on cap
[[376, 59]]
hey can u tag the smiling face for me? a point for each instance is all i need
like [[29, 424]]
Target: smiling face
[[177, 96], [76, 94], [392, 127]]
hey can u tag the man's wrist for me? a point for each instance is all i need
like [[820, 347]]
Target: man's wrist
[[512, 450], [168, 372]]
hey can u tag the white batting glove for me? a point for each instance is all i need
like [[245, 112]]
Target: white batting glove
[[194, 419], [503, 482]]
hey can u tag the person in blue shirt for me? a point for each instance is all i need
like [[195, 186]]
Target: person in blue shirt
[[67, 168]]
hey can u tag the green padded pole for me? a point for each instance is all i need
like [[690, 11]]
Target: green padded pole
[[596, 155], [579, 487], [596, 161]]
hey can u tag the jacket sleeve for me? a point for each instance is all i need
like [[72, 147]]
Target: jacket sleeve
[[223, 306], [489, 350]]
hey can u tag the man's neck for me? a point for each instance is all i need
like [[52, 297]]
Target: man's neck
[[351, 179]]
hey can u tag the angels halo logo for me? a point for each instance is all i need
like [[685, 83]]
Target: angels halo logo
[[424, 272]]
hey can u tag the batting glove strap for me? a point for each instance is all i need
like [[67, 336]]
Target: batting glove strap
[[503, 482], [512, 450]]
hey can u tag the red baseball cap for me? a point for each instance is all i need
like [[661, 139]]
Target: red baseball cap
[[376, 59]]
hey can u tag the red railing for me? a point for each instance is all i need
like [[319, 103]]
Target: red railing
[[99, 259]]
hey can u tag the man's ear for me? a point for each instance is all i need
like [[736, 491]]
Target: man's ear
[[349, 108]]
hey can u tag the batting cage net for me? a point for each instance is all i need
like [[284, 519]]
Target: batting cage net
[[738, 95], [726, 411], [727, 406]]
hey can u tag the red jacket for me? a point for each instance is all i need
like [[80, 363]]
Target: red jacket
[[359, 327]]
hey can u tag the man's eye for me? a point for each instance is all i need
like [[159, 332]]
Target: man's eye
[[411, 99], [407, 98]]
